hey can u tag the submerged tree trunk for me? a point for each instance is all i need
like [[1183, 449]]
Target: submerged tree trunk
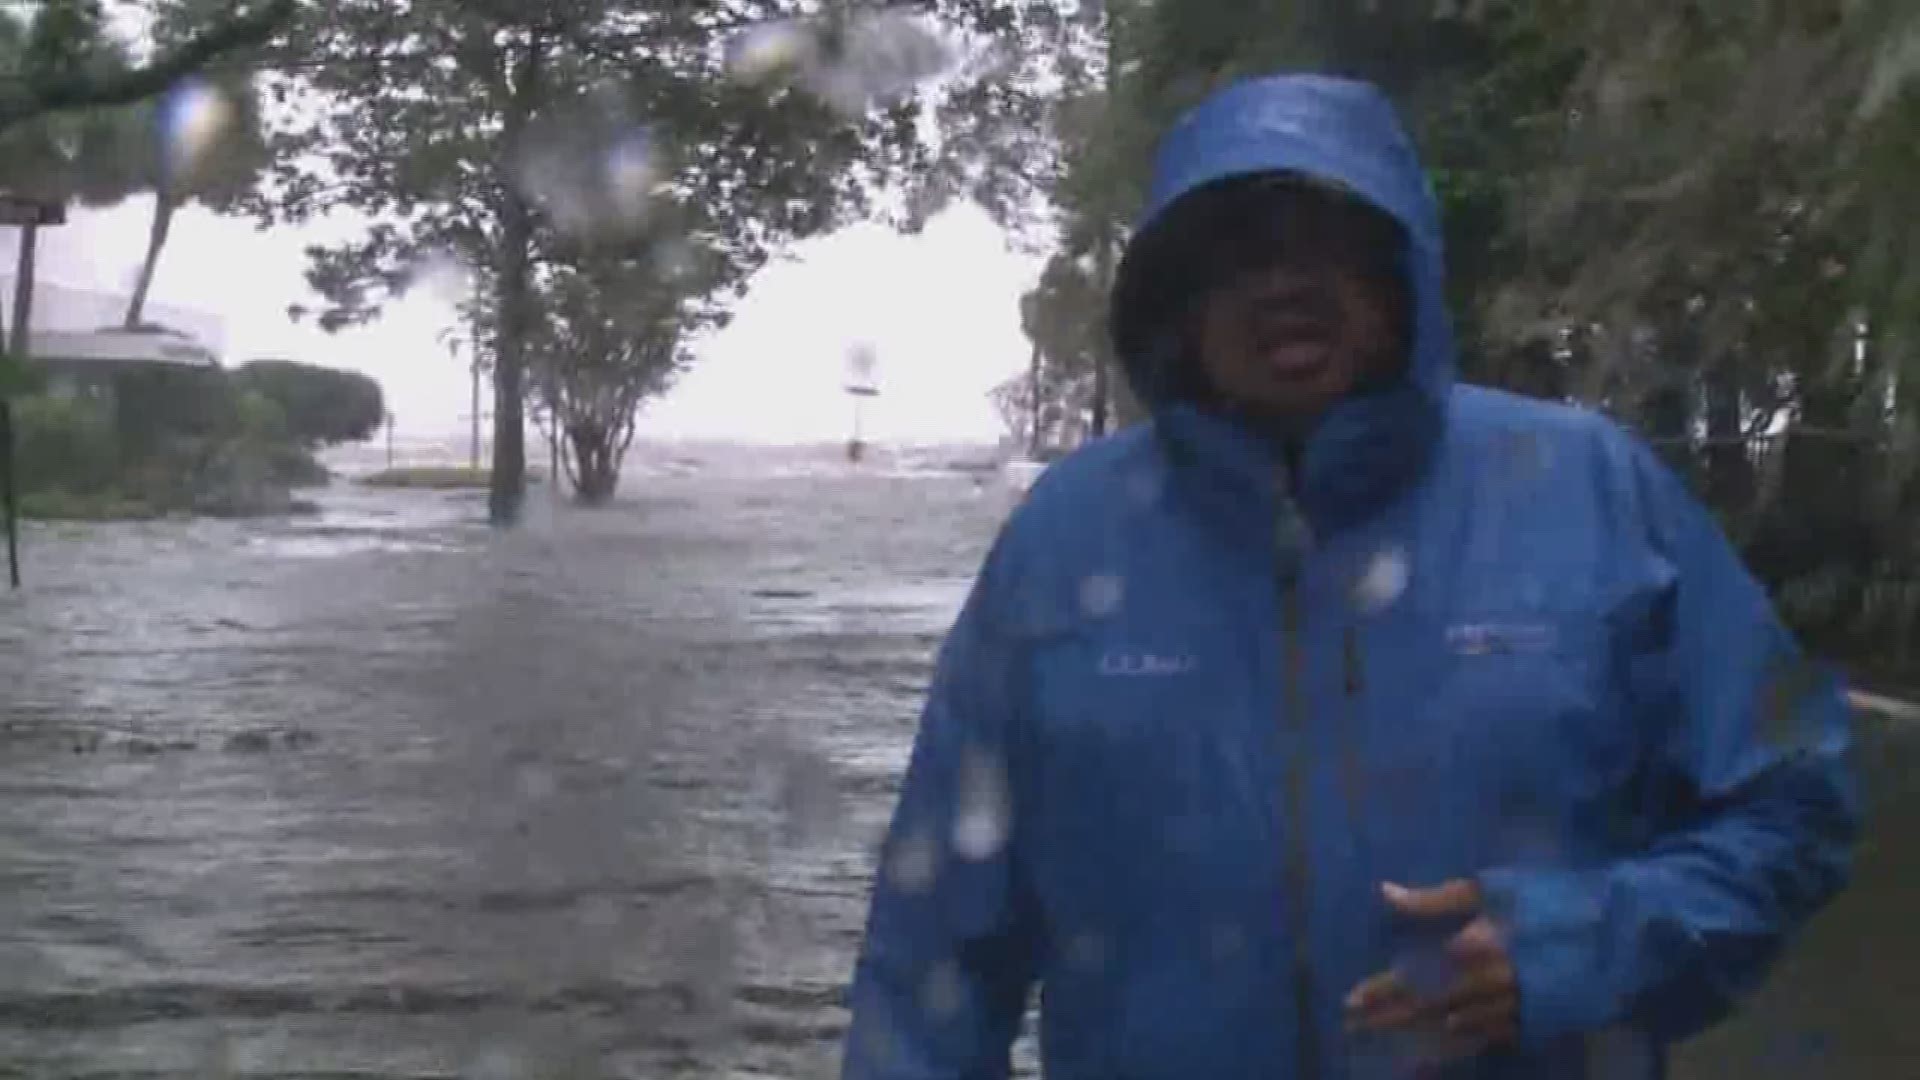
[[595, 456], [164, 207], [507, 484]]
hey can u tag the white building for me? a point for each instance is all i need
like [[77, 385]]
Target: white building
[[65, 309]]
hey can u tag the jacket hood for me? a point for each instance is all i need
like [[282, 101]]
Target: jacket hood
[[1346, 134]]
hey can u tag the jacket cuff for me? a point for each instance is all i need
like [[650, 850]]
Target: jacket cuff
[[1553, 923]]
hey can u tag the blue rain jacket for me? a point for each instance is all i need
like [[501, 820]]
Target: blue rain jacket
[[1198, 708]]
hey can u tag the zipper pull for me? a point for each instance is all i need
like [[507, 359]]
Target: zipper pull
[[1292, 535]]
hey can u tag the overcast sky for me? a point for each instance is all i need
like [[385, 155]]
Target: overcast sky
[[940, 310]]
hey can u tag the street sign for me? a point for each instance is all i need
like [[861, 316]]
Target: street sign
[[17, 211]]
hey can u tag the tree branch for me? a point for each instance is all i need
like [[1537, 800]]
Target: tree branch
[[38, 98]]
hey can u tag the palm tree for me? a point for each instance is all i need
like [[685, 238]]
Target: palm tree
[[67, 157], [203, 141]]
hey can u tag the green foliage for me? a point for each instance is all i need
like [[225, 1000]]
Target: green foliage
[[72, 155], [448, 478], [62, 74], [58, 505], [18, 376], [65, 444], [160, 407], [1064, 315], [260, 418], [314, 406], [188, 440]]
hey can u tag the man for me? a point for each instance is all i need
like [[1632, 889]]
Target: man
[[1342, 722]]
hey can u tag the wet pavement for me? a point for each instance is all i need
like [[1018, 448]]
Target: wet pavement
[[384, 794]]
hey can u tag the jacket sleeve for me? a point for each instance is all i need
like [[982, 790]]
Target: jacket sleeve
[[951, 941], [1754, 834]]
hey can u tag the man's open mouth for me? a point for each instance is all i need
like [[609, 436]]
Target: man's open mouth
[[1295, 346]]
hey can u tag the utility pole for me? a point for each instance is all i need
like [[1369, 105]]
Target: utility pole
[[860, 386], [473, 369], [1033, 404], [473, 451], [553, 436]]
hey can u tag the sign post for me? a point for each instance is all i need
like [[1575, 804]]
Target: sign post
[[29, 216], [861, 362]]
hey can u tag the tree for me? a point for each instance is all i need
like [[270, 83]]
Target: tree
[[322, 406], [613, 332], [1064, 316], [490, 126]]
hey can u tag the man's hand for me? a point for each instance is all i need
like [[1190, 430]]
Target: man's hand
[[1481, 1006]]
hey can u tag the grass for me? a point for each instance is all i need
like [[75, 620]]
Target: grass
[[62, 506], [439, 478], [431, 478]]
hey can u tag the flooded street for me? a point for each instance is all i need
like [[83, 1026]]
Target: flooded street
[[383, 794]]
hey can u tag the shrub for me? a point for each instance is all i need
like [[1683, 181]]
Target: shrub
[[65, 444], [322, 406]]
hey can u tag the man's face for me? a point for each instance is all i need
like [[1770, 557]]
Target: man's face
[[1290, 330]]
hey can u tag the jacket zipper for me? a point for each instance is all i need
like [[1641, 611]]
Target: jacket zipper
[[1289, 555]]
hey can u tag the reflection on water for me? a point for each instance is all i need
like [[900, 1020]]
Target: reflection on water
[[381, 793]]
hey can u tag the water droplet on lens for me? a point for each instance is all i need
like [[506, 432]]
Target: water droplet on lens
[[1100, 594], [442, 275], [944, 993], [535, 783], [762, 51], [1087, 952], [630, 177], [1143, 487], [674, 258], [871, 59], [496, 1064], [981, 822], [808, 797], [600, 913], [1382, 581], [914, 863], [192, 117], [1228, 941]]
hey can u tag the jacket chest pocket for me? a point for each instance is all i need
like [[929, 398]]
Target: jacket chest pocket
[[1506, 726], [1141, 740]]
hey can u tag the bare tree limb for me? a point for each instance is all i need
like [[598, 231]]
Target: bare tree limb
[[36, 98]]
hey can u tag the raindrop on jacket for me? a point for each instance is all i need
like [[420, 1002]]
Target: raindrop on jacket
[[1564, 698]]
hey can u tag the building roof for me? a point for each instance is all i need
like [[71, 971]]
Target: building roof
[[120, 347]]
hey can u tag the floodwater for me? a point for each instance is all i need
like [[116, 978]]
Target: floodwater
[[384, 794]]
